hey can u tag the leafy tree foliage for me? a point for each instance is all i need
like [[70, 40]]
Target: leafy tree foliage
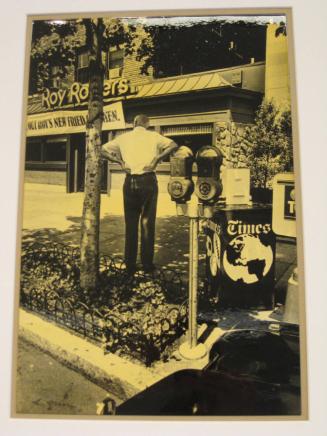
[[55, 44], [168, 49], [173, 49], [271, 149], [285, 123], [281, 29]]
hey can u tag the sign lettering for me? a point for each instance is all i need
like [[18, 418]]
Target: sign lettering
[[237, 227], [63, 122], [289, 202], [79, 93]]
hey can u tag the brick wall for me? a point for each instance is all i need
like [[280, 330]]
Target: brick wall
[[132, 71], [132, 67]]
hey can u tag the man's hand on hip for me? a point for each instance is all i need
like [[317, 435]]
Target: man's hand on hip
[[151, 167], [125, 168]]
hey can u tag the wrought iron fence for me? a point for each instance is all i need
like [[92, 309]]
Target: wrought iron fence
[[141, 316]]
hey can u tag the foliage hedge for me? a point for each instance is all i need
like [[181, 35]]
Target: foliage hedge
[[140, 317]]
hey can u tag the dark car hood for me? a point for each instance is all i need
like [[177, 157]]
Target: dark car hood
[[196, 392]]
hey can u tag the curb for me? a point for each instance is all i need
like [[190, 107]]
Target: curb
[[112, 373], [119, 376]]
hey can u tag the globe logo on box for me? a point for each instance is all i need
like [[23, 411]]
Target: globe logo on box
[[247, 259]]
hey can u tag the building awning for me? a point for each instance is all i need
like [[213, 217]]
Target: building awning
[[182, 84]]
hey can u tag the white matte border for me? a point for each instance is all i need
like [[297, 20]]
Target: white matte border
[[309, 26]]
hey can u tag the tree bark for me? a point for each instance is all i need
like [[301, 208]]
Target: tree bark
[[91, 207]]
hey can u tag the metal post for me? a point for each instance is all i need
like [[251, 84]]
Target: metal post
[[191, 349], [193, 282], [75, 170], [108, 179]]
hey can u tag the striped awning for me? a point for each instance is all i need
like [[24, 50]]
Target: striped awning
[[182, 84]]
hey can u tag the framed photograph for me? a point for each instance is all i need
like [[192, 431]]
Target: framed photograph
[[160, 263]]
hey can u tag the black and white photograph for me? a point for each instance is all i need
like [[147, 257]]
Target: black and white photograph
[[158, 260]]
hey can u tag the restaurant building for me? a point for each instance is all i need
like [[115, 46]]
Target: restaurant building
[[207, 108]]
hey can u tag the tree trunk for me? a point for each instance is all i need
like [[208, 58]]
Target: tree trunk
[[91, 207]]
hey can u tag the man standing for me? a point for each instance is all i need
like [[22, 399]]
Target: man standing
[[139, 152]]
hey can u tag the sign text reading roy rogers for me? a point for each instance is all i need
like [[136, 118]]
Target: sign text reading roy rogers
[[79, 93]]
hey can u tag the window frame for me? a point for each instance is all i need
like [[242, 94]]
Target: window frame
[[54, 140], [43, 164], [56, 80], [82, 70], [112, 51], [80, 55]]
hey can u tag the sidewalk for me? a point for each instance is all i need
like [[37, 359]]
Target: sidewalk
[[50, 206], [50, 213]]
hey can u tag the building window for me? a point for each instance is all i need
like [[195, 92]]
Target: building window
[[33, 152], [193, 136], [56, 77], [82, 73], [83, 60], [115, 63], [46, 152], [55, 151]]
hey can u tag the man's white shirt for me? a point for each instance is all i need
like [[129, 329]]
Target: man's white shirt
[[138, 148]]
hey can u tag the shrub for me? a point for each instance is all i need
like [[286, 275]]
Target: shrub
[[271, 148], [128, 316]]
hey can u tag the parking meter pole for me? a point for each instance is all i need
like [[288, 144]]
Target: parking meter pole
[[191, 349], [180, 188]]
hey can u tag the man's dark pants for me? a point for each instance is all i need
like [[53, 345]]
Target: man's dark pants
[[140, 205]]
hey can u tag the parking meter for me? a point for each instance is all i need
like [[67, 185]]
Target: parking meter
[[208, 186], [181, 186]]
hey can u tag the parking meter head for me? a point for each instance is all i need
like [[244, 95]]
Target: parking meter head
[[180, 190], [182, 152], [181, 186], [208, 186], [209, 151]]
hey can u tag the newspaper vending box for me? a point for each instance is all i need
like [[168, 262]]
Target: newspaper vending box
[[240, 256]]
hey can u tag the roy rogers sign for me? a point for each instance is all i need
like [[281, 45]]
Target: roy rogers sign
[[78, 93]]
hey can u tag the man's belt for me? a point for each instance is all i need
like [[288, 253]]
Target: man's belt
[[137, 176]]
